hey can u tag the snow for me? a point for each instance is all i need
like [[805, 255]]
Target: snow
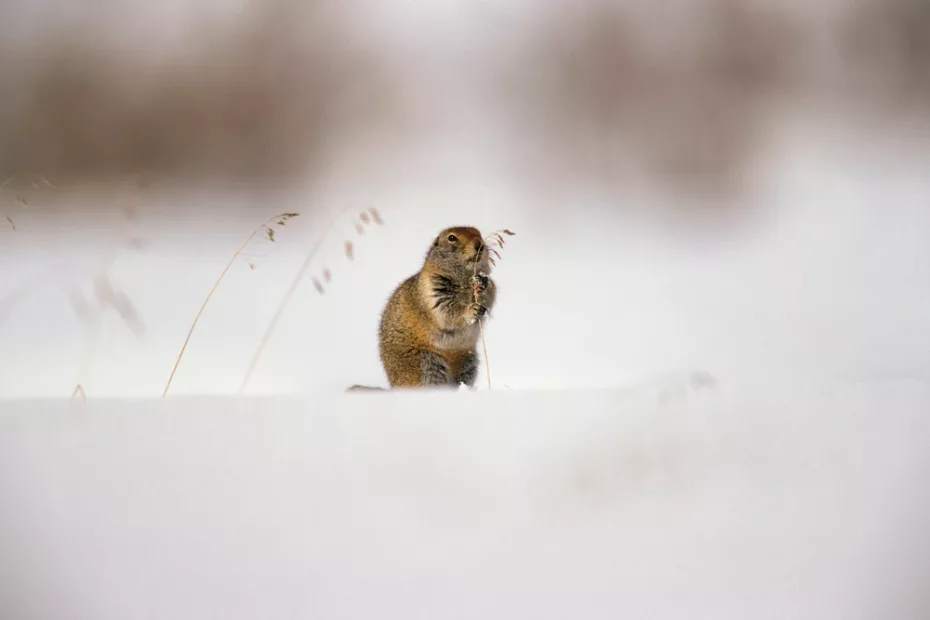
[[720, 502]]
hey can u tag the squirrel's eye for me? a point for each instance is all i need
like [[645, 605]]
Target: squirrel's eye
[[452, 238]]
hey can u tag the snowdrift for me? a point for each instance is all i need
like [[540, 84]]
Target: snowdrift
[[725, 502]]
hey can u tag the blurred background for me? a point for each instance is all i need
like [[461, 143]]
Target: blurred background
[[735, 186]]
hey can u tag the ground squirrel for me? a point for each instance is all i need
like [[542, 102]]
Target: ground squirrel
[[429, 328]]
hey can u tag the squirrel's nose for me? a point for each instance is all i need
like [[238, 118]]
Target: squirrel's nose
[[478, 245]]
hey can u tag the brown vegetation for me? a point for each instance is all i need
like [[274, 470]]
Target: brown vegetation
[[258, 100]]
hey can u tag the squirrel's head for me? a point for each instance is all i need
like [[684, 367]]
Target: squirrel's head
[[460, 247]]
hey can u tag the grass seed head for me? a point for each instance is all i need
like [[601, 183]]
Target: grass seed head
[[494, 239]]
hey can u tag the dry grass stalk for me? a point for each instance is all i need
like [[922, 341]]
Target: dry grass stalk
[[10, 300], [37, 182], [8, 218], [106, 294], [494, 239], [317, 284], [269, 234], [78, 393]]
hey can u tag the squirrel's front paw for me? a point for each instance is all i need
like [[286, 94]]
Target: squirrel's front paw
[[480, 282], [476, 312]]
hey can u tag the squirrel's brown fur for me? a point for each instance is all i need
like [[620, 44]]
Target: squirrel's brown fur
[[429, 328]]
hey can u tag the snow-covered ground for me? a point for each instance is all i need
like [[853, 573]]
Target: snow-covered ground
[[778, 502]]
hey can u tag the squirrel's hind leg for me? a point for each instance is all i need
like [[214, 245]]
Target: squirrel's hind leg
[[468, 372], [434, 371]]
